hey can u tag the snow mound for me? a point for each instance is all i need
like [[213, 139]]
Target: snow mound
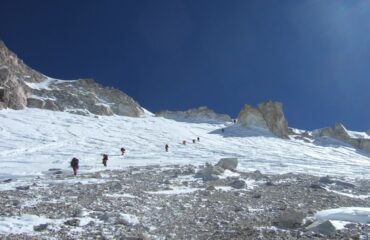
[[350, 214]]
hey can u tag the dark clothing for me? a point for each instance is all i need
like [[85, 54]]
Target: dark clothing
[[123, 151], [193, 140], [105, 159], [74, 165], [166, 147], [198, 139]]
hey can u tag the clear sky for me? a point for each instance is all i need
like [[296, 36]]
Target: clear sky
[[312, 55]]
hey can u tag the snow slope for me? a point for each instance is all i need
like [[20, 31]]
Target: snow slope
[[34, 140]]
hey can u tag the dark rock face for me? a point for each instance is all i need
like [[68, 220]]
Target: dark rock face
[[73, 222], [290, 219], [21, 86], [238, 184], [41, 227], [325, 227]]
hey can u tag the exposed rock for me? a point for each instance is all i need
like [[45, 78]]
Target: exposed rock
[[268, 115], [238, 184], [340, 133], [201, 114], [211, 188], [251, 117], [256, 195], [7, 180], [289, 219], [41, 227], [23, 188], [228, 163], [274, 116], [316, 186], [326, 228], [73, 222], [21, 86], [209, 172], [269, 183], [326, 180]]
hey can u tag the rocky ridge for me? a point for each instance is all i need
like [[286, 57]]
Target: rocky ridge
[[341, 133], [21, 86], [202, 113]]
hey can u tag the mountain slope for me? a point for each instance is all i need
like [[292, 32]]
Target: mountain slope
[[21, 86], [33, 141]]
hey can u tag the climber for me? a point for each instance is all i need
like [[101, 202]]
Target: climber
[[222, 130], [166, 147], [105, 159], [193, 140], [123, 150], [74, 165], [183, 142], [198, 139]]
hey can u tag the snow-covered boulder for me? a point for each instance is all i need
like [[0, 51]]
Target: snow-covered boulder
[[200, 114], [350, 214], [268, 115], [228, 163], [209, 172], [21, 86]]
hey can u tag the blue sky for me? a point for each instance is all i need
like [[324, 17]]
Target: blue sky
[[312, 55]]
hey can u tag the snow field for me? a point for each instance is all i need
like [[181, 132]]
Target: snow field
[[33, 141]]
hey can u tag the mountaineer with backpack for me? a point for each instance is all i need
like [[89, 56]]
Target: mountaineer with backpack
[[105, 159], [123, 150], [74, 165]]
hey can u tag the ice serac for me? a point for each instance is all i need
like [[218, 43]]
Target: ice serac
[[21, 86], [268, 115], [340, 133], [200, 114]]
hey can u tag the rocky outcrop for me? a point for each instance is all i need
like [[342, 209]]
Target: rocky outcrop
[[209, 172], [201, 114], [340, 133], [268, 115], [82, 96], [250, 116], [326, 228], [13, 75], [21, 86]]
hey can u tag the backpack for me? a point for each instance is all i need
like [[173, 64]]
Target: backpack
[[74, 162]]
